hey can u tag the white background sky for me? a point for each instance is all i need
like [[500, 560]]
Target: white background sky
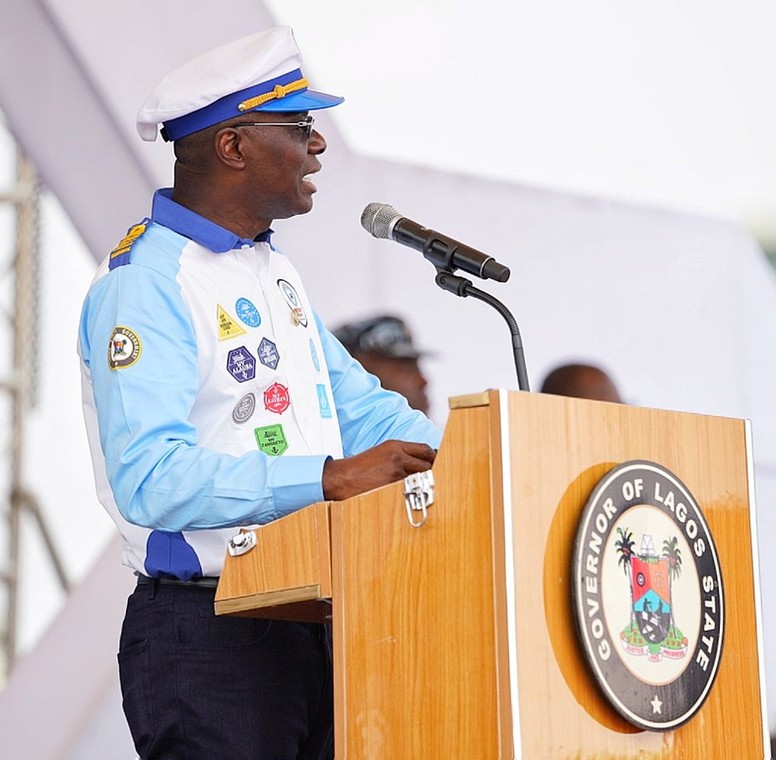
[[665, 103]]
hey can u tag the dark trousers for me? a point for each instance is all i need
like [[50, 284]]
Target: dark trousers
[[202, 687]]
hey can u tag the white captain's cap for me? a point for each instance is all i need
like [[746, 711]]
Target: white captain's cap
[[260, 72]]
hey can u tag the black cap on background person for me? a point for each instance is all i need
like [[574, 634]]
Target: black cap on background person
[[384, 346]]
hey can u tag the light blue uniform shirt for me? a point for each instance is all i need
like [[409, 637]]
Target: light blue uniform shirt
[[212, 393]]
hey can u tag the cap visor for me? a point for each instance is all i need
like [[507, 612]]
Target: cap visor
[[309, 100]]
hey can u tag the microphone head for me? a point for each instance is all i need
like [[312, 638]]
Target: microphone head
[[378, 219]]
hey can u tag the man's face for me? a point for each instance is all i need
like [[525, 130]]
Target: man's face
[[282, 163], [401, 375]]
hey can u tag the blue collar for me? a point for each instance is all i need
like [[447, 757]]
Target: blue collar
[[188, 223]]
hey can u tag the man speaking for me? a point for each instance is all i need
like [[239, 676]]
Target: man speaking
[[214, 398]]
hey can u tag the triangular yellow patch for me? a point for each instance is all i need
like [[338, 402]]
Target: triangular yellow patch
[[227, 326]]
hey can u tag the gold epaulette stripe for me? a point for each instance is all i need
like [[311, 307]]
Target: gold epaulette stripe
[[126, 242], [279, 91]]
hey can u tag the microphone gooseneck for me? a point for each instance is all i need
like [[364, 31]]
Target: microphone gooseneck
[[383, 221]]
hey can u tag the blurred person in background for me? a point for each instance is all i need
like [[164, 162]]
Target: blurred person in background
[[581, 381], [384, 347]]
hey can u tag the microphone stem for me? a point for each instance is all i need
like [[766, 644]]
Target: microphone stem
[[462, 287]]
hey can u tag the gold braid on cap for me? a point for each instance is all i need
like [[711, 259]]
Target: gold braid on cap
[[279, 91]]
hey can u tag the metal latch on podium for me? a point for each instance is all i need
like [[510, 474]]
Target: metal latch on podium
[[242, 543], [418, 496]]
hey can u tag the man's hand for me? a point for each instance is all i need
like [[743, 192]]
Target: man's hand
[[386, 463]]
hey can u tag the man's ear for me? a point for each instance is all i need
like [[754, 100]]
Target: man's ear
[[228, 146]]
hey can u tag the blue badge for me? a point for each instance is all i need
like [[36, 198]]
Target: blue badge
[[268, 353], [314, 355], [241, 364], [323, 401], [290, 294], [247, 312]]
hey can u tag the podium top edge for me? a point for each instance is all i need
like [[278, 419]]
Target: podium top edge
[[469, 400]]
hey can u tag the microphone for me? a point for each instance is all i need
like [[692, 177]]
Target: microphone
[[384, 221]]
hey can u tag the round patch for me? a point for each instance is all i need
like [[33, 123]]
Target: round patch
[[276, 398], [244, 408], [292, 299], [124, 348], [247, 312], [648, 595]]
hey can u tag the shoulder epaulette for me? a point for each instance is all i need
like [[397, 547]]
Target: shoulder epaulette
[[120, 254]]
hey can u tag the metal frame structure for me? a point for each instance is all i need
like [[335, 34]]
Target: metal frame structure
[[18, 382]]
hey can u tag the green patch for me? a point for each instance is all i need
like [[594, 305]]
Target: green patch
[[271, 439]]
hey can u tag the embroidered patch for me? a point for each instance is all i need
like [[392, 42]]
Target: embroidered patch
[[292, 299], [271, 439], [314, 355], [276, 398], [124, 348], [120, 254], [227, 326], [268, 353], [241, 364], [247, 312], [244, 408], [323, 401]]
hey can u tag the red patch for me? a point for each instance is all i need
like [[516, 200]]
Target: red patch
[[276, 398]]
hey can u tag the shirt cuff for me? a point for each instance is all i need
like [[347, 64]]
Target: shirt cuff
[[297, 482]]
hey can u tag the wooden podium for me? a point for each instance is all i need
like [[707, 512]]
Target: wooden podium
[[457, 640]]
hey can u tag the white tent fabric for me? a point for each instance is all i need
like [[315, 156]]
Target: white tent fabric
[[680, 308]]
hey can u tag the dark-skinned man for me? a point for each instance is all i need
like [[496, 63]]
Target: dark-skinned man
[[215, 399], [384, 347], [581, 381]]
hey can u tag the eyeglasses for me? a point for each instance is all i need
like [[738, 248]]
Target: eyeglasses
[[306, 125]]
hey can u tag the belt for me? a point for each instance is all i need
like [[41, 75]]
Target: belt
[[201, 582]]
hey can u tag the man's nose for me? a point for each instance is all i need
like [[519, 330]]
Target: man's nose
[[316, 144]]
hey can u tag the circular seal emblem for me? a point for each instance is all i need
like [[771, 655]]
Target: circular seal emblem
[[124, 348], [292, 299], [247, 312], [244, 408], [648, 595]]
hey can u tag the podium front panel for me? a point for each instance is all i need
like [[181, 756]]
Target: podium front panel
[[416, 655], [559, 449]]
